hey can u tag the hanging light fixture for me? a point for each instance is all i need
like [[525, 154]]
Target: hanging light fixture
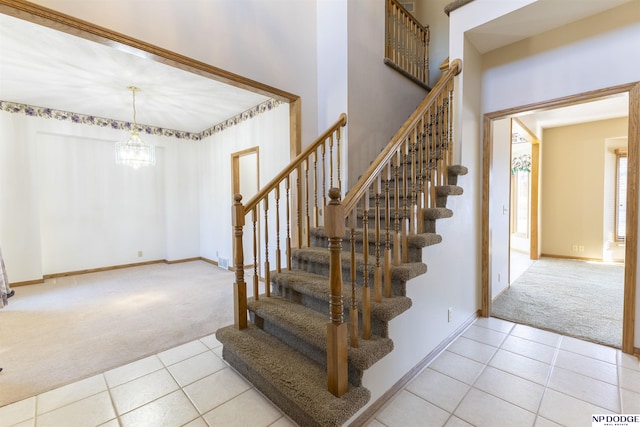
[[135, 152]]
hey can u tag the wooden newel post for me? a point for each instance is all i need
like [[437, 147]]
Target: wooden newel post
[[239, 286], [337, 372]]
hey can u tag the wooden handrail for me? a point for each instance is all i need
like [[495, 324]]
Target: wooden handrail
[[375, 169], [295, 163]]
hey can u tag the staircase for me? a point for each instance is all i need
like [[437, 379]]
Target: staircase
[[285, 346]]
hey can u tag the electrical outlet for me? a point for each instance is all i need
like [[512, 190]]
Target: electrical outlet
[[498, 277], [580, 248], [449, 314], [140, 253], [574, 248]]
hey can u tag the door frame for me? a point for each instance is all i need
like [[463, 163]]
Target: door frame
[[235, 188], [631, 244]]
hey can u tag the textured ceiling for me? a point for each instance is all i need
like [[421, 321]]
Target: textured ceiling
[[47, 68]]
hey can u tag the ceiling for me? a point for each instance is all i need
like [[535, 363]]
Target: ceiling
[[536, 18], [43, 67]]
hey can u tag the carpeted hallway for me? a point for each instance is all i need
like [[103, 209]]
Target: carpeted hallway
[[582, 299]]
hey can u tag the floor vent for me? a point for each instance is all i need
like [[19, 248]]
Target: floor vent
[[223, 263]]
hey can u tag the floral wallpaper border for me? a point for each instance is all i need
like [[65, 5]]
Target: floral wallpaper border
[[50, 113]]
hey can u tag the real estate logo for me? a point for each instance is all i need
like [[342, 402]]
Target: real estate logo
[[613, 420]]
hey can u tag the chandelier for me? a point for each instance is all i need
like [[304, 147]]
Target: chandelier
[[135, 152]]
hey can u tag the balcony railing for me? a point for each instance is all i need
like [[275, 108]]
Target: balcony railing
[[406, 44]]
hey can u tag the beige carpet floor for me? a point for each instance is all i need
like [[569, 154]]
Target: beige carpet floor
[[71, 328], [578, 298]]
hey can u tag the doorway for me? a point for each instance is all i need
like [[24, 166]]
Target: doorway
[[495, 212], [245, 179]]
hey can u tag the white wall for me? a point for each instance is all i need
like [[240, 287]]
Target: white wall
[[380, 99], [431, 14], [67, 206], [500, 210], [263, 131]]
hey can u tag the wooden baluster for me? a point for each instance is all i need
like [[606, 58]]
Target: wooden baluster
[[413, 221], [267, 270], [366, 290], [377, 272], [288, 214], [256, 289], [387, 229], [353, 312], [324, 177], [421, 177], [337, 356], [339, 156], [239, 286], [278, 252], [299, 205], [315, 190], [432, 161], [404, 232], [396, 234], [307, 225], [331, 161]]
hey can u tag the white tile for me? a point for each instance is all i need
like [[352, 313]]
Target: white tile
[[174, 409], [196, 367], [216, 389], [198, 422], [27, 423], [586, 348], [457, 422], [511, 388], [70, 393], [629, 379], [456, 366], [484, 335], [628, 361], [133, 370], [630, 402], [472, 349], [17, 412], [531, 349], [566, 410], [439, 389], [584, 365], [494, 323], [143, 390], [407, 409], [234, 412], [543, 422], [588, 389], [481, 409], [90, 411], [182, 352], [538, 335], [285, 421], [521, 366], [374, 423], [112, 423], [211, 341]]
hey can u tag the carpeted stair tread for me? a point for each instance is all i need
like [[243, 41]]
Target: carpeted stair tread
[[437, 213], [305, 324], [295, 383], [415, 240], [317, 286], [449, 190], [403, 272], [457, 170]]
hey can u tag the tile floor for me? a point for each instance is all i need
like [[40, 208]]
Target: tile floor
[[496, 374]]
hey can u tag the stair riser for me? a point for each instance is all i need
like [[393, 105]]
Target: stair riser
[[414, 255], [378, 327], [318, 355], [397, 287]]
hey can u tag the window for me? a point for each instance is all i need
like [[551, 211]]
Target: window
[[621, 195]]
